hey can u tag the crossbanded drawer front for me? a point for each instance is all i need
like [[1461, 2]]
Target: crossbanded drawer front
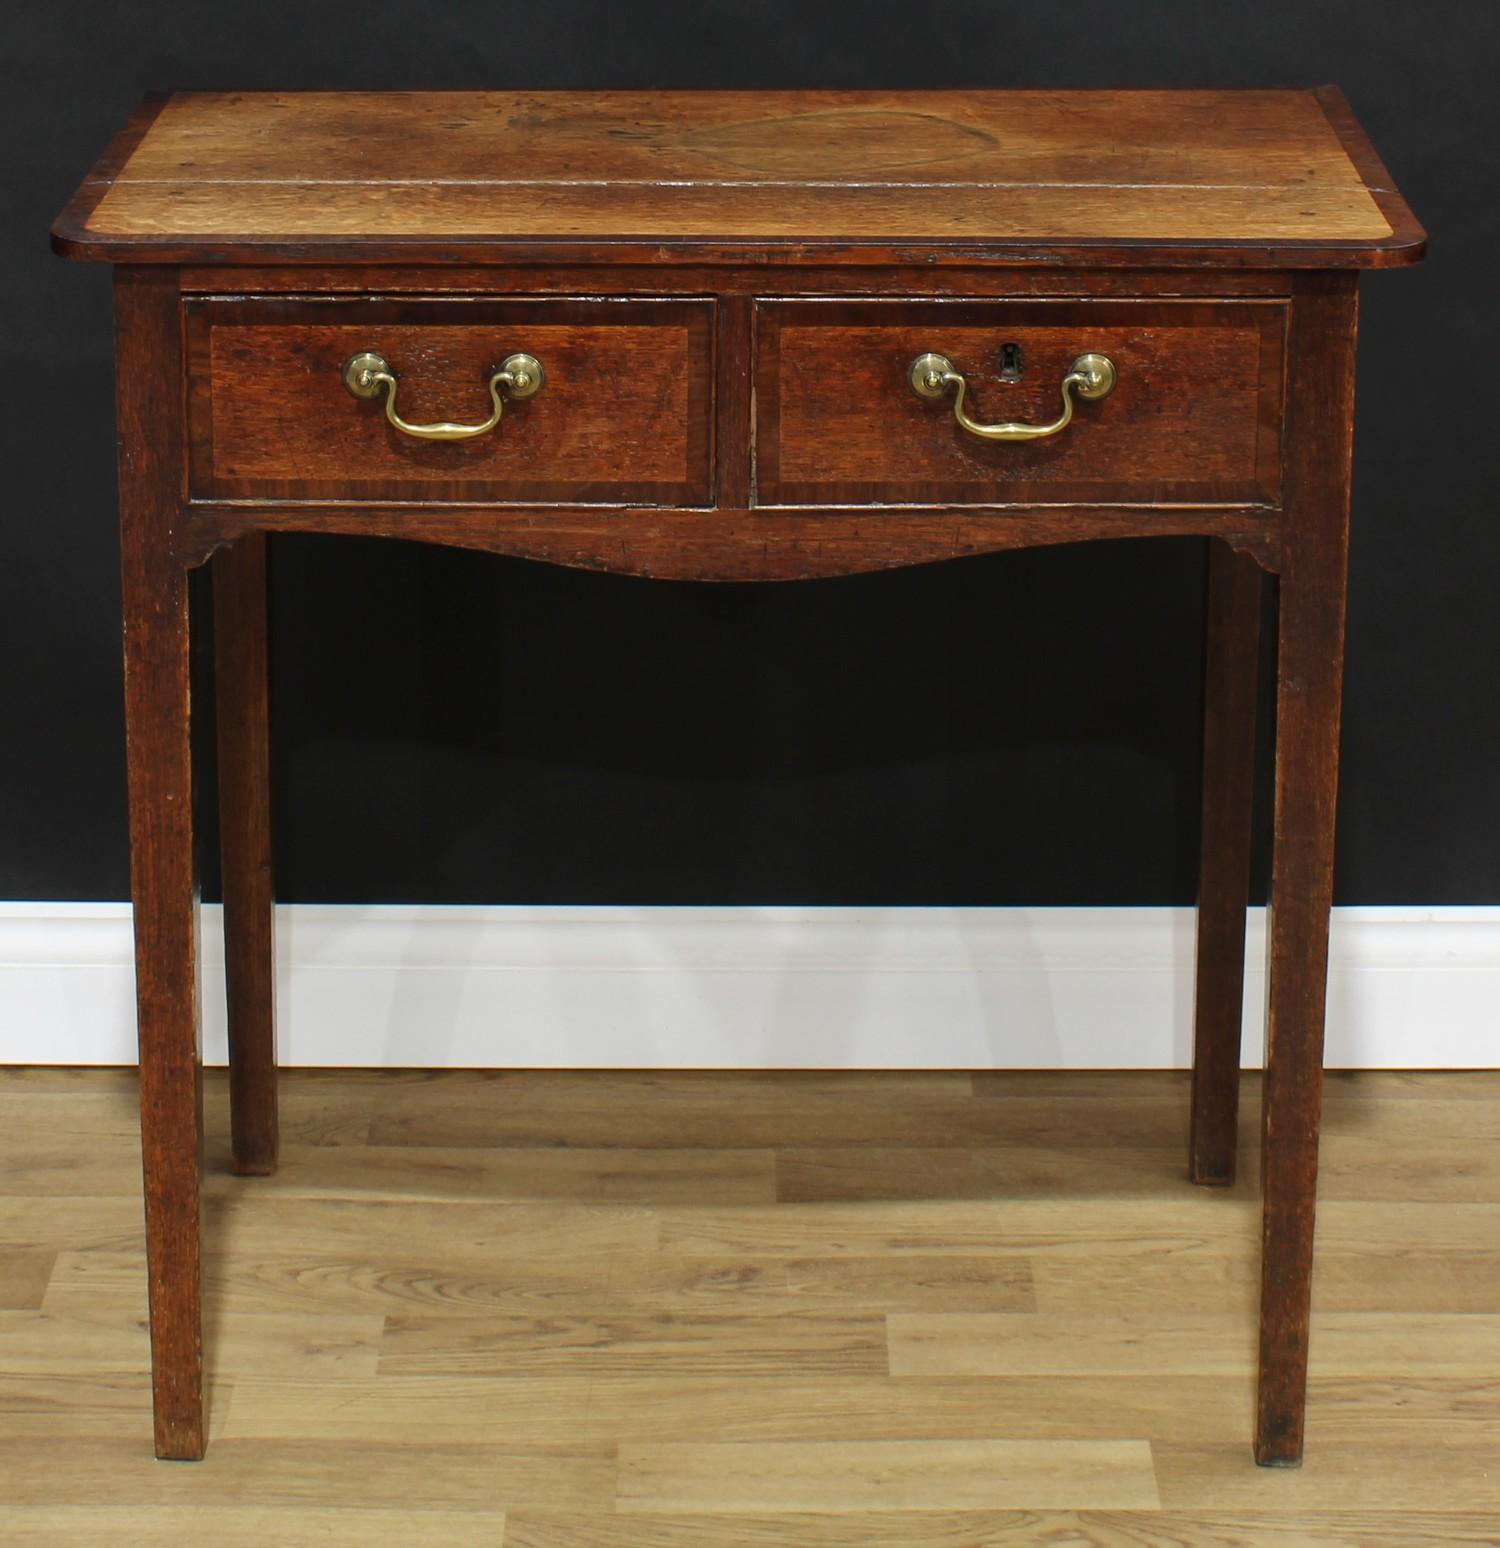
[[623, 415], [1193, 416]]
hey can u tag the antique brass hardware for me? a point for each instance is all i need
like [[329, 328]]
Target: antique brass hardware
[[521, 376], [1090, 377]]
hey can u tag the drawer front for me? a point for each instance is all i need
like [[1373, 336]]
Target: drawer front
[[1194, 416], [623, 417]]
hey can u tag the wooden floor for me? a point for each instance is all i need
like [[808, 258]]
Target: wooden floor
[[735, 1310]]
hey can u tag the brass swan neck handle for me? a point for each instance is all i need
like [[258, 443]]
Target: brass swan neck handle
[[367, 374], [1090, 377]]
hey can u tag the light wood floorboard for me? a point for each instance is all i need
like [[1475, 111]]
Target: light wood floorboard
[[615, 1310]]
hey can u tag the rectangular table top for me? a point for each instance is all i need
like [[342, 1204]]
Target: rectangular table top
[[1274, 178]]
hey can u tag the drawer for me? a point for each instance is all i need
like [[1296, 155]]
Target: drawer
[[1193, 418], [623, 416]]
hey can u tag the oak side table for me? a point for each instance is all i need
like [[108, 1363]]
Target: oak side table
[[736, 336]]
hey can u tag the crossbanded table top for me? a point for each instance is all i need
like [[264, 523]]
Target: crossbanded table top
[[1269, 178]]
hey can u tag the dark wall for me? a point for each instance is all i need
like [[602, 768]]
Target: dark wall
[[1019, 728]]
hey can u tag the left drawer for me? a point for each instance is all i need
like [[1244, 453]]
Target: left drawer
[[624, 416]]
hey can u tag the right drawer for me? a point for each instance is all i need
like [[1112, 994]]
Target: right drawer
[[1193, 416]]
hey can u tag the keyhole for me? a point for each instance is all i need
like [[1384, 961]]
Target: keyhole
[[1010, 363]]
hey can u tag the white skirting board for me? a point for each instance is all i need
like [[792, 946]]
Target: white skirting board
[[759, 988]]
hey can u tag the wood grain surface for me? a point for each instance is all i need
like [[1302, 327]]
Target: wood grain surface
[[242, 724], [1196, 422], [1194, 417], [624, 415], [606, 1310], [1033, 175], [163, 860], [1312, 594], [1231, 682]]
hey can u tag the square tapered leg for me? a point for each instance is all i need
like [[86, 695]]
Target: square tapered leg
[[241, 702], [1309, 673], [163, 880], [1231, 671]]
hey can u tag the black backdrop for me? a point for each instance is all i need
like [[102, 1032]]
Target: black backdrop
[[1012, 729]]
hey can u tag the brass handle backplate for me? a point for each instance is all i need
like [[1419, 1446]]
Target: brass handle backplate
[[1090, 377], [367, 373]]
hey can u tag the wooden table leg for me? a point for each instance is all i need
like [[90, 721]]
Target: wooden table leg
[[239, 579], [1231, 669], [163, 878], [1310, 653]]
